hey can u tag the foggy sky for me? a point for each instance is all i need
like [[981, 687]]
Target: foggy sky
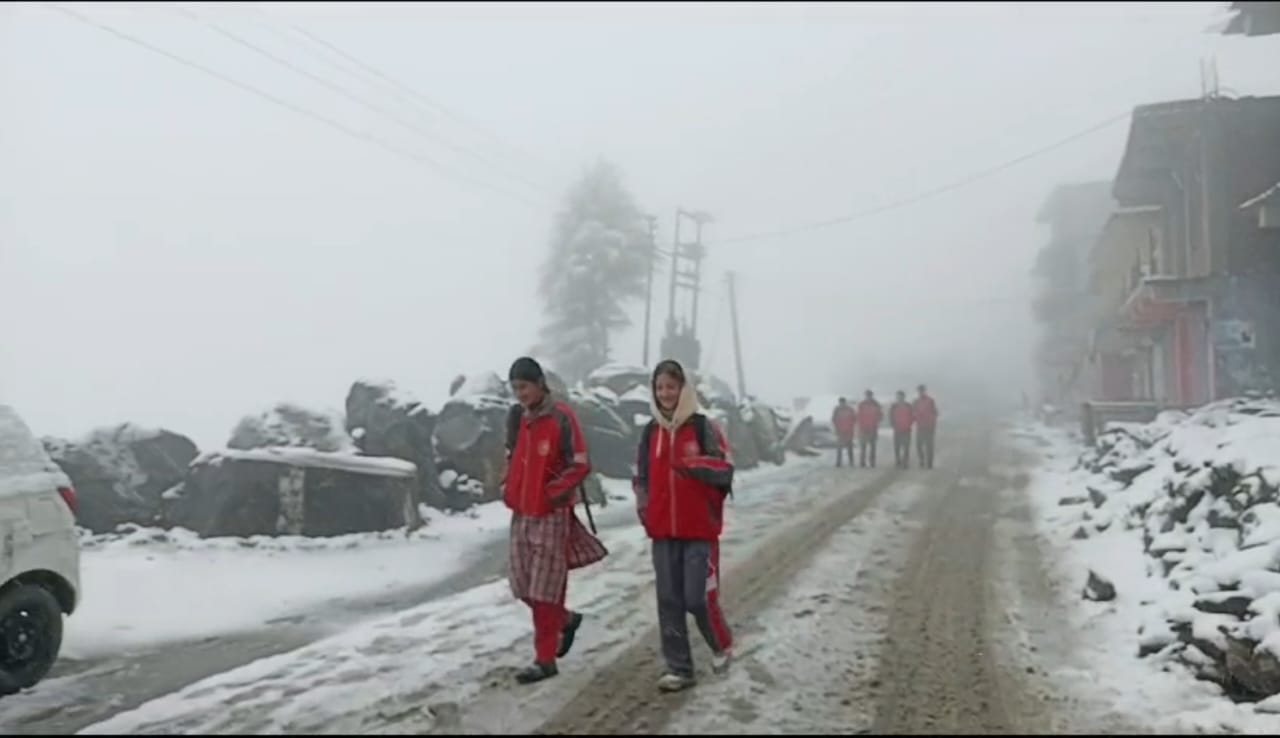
[[175, 251]]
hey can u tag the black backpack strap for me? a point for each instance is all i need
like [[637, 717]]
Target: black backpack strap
[[709, 441]]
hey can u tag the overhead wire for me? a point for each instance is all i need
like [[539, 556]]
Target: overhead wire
[[330, 85], [362, 135], [918, 197], [326, 51]]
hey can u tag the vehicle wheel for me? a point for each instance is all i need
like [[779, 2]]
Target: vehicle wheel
[[30, 636]]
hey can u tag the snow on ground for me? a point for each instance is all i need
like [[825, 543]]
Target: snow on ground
[[1106, 668], [147, 586], [804, 660], [142, 587], [421, 665]]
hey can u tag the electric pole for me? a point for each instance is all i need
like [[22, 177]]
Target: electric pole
[[648, 286], [731, 279], [681, 339]]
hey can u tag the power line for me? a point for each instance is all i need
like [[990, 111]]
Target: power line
[[928, 194], [362, 73], [240, 40], [413, 93], [341, 127]]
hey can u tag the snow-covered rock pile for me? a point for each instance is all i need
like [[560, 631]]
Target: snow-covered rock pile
[[1203, 492]]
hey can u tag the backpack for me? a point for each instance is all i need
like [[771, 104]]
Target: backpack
[[707, 442]]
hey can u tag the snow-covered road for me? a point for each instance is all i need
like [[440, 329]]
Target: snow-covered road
[[863, 601], [195, 608]]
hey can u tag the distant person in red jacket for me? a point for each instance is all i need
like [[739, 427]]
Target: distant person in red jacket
[[684, 472], [547, 462], [926, 411], [901, 416], [870, 416], [844, 421]]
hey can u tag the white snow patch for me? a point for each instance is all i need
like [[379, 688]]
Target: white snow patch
[[297, 456], [145, 586]]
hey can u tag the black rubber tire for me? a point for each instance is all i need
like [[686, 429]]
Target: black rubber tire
[[42, 607]]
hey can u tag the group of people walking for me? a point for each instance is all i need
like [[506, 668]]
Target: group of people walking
[[684, 473], [864, 422]]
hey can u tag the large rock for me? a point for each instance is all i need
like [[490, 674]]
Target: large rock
[[470, 434], [120, 473], [765, 428], [618, 378], [385, 421], [612, 440], [290, 425], [295, 491]]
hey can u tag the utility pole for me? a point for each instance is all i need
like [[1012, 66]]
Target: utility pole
[[731, 278], [681, 339], [648, 286]]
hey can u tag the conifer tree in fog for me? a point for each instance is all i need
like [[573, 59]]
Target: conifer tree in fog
[[596, 267]]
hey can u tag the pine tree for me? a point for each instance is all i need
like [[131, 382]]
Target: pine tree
[[597, 264]]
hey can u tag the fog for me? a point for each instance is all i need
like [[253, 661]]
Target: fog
[[177, 251]]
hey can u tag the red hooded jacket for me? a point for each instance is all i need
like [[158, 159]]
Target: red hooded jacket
[[682, 480], [547, 459]]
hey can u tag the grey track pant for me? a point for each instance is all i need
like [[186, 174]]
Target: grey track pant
[[687, 577]]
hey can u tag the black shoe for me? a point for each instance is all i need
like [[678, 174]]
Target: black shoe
[[566, 635], [536, 673]]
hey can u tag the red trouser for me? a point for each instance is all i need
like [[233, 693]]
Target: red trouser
[[549, 619]]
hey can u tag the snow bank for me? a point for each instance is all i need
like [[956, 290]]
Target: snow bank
[[148, 586], [1181, 516]]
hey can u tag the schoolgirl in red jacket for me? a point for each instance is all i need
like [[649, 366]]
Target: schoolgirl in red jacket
[[683, 475]]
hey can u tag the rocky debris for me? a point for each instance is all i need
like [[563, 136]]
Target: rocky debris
[[295, 491], [1099, 588], [385, 421], [120, 473], [288, 425], [799, 439], [1072, 500], [1202, 491]]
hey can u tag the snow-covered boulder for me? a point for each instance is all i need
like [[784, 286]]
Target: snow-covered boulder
[[295, 491], [290, 425], [765, 428], [120, 473], [611, 439], [386, 421], [470, 434], [618, 378]]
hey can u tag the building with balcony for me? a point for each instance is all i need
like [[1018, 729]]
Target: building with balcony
[[1186, 273]]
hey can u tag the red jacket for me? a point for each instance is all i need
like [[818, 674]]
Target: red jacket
[[844, 419], [870, 415], [680, 490], [901, 415], [926, 412], [547, 459]]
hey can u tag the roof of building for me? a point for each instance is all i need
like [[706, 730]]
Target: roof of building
[[1253, 19]]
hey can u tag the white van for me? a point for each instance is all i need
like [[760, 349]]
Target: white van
[[39, 555]]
